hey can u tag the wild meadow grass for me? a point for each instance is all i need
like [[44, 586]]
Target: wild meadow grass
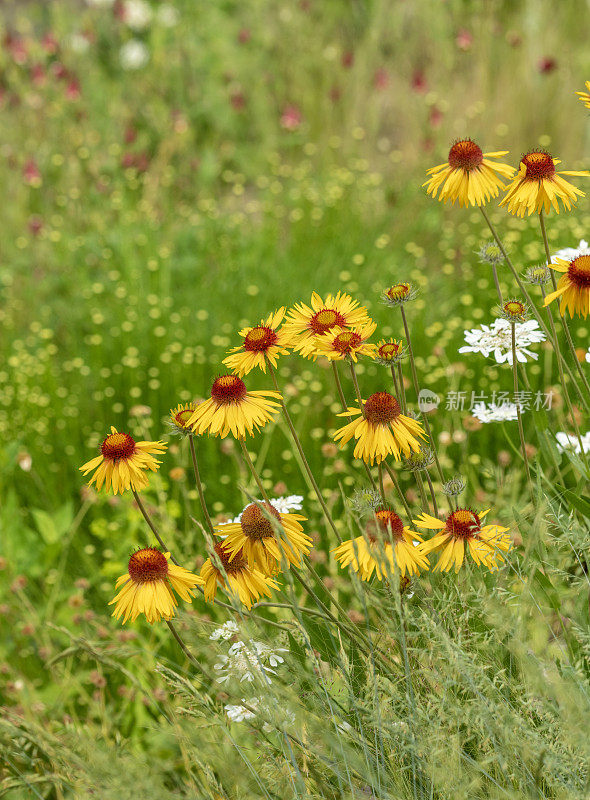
[[171, 178]]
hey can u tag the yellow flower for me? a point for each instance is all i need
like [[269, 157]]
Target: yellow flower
[[383, 430], [463, 529], [584, 96], [389, 351], [339, 344], [468, 175], [257, 538], [304, 322], [538, 186], [232, 408], [247, 583], [260, 343], [122, 463], [374, 552], [574, 285], [146, 587], [180, 416]]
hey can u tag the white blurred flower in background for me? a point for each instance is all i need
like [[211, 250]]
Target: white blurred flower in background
[[567, 441], [137, 14], [569, 253], [167, 15], [505, 412], [134, 55]]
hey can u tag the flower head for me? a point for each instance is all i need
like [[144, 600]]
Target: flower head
[[347, 343], [454, 486], [261, 343], [233, 409], [146, 587], [380, 429], [399, 293], [513, 311], [496, 339], [469, 175], [538, 186], [574, 285], [265, 536], [503, 412], [491, 254], [585, 96], [304, 323], [463, 530], [538, 275], [244, 582], [179, 417], [122, 463], [386, 543], [390, 351], [421, 459]]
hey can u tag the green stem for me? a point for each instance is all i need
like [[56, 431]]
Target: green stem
[[495, 272], [381, 486], [344, 408], [402, 389], [431, 487], [153, 529], [200, 486], [253, 471], [393, 476], [518, 414]]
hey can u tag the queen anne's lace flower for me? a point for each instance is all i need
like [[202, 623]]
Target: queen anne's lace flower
[[494, 412], [246, 662], [569, 253], [567, 441], [226, 631], [496, 340]]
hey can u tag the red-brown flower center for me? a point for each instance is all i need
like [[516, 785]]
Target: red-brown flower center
[[346, 341], [228, 389], [260, 339], [465, 155], [238, 562], [148, 564], [255, 525], [183, 417], [398, 291], [381, 407], [389, 350], [579, 272], [324, 320], [390, 521], [463, 523], [514, 308], [539, 165], [117, 446]]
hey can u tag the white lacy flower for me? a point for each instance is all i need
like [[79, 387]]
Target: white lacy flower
[[567, 441], [240, 713], [282, 504], [257, 704], [569, 253], [496, 340], [137, 14], [494, 412], [249, 661], [134, 55], [226, 631]]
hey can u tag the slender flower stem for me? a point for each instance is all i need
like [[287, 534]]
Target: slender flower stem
[[529, 300], [381, 486], [431, 487], [299, 447], [253, 471], [395, 383], [344, 408], [146, 516], [518, 414], [423, 497], [402, 389], [393, 476], [417, 390], [566, 329], [563, 384], [495, 272], [200, 485], [357, 389], [183, 646]]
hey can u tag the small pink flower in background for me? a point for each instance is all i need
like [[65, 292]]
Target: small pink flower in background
[[130, 134], [35, 225], [59, 70], [334, 94], [291, 118], [381, 79], [50, 44], [464, 40], [244, 35], [514, 39], [348, 59], [419, 83], [127, 160], [38, 75], [17, 48], [435, 117], [73, 89], [546, 65], [238, 101], [31, 173]]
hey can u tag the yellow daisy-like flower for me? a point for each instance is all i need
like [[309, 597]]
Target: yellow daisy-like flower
[[339, 344], [264, 547], [374, 552], [468, 175], [122, 463], [574, 285], [585, 96], [463, 530], [537, 186], [179, 417], [389, 351], [305, 322], [233, 409], [382, 430], [146, 587], [245, 582], [264, 341]]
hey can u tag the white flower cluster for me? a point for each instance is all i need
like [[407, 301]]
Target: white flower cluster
[[134, 54], [225, 631], [567, 441], [248, 662], [588, 356], [496, 340], [257, 704], [282, 504], [569, 253], [505, 412]]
